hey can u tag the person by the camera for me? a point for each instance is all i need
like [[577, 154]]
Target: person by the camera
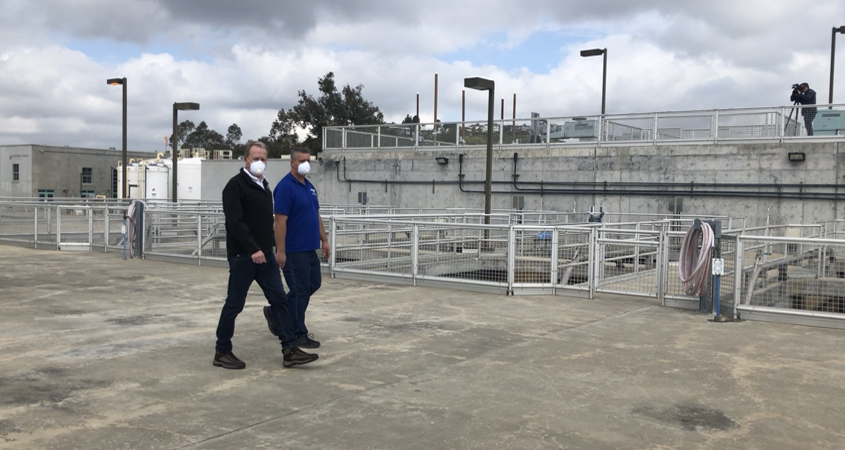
[[802, 94]]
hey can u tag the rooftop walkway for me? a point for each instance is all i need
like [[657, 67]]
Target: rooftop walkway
[[101, 353]]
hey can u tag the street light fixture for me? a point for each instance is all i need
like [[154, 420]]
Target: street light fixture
[[832, 56], [483, 84], [125, 158], [184, 106], [597, 52]]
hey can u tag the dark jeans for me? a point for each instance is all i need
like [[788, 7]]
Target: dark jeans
[[302, 274], [808, 121], [242, 272]]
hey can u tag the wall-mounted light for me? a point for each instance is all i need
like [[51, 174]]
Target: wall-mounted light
[[796, 156], [442, 160]]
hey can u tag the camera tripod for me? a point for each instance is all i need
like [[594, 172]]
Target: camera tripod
[[789, 118]]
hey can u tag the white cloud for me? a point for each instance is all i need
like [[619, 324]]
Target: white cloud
[[244, 61]]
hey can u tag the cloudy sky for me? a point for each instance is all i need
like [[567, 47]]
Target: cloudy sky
[[244, 60]]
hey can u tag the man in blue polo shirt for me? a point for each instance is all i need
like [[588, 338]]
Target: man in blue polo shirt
[[299, 233]]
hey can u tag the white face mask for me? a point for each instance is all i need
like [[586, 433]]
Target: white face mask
[[257, 168], [304, 168]]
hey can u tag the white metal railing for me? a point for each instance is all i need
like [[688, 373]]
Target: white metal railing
[[778, 123], [792, 273]]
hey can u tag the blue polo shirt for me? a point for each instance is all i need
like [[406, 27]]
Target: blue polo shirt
[[299, 202]]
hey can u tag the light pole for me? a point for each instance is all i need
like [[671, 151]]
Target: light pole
[[597, 52], [483, 84], [184, 106], [125, 158], [832, 59]]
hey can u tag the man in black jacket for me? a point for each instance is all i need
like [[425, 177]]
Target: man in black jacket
[[806, 96], [248, 207]]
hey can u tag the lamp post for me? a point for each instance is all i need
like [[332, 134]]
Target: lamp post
[[483, 84], [832, 56], [597, 52], [125, 158], [184, 106]]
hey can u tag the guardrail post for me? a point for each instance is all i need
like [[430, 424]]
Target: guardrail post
[[714, 126], [90, 227], [511, 257], [415, 253], [199, 239], [333, 255], [342, 138], [58, 226], [554, 257], [548, 133], [662, 267], [35, 235], [654, 130], [738, 269], [601, 136], [416, 136], [378, 141], [591, 265], [106, 229], [781, 123]]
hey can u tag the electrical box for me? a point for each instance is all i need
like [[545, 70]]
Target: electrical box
[[519, 202], [676, 205], [579, 129], [829, 123]]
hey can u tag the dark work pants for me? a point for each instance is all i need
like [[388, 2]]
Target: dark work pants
[[242, 272], [302, 274], [808, 122]]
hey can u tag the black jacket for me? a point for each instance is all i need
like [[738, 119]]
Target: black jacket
[[249, 216], [807, 98]]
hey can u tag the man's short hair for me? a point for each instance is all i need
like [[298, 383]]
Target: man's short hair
[[299, 150], [251, 144], [804, 84]]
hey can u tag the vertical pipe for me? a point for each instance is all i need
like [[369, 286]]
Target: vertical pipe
[[603, 82], [435, 98], [125, 156], [832, 56], [199, 239], [513, 125], [488, 179], [463, 111], [418, 105], [173, 187]]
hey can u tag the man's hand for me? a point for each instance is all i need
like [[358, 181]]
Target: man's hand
[[281, 259], [327, 250], [258, 257]]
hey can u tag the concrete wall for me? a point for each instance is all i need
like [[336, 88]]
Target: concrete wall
[[58, 169], [22, 156], [216, 173], [709, 170]]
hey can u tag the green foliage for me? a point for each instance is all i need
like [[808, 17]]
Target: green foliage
[[204, 137], [332, 108]]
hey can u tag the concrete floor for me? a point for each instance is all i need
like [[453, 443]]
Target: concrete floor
[[101, 353]]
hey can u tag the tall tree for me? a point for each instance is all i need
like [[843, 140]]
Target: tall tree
[[233, 140], [184, 129], [345, 107], [204, 137], [282, 137]]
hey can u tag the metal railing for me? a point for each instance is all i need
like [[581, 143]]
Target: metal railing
[[790, 273], [780, 123]]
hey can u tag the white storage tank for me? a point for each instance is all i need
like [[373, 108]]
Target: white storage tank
[[190, 179], [133, 176], [157, 181]]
